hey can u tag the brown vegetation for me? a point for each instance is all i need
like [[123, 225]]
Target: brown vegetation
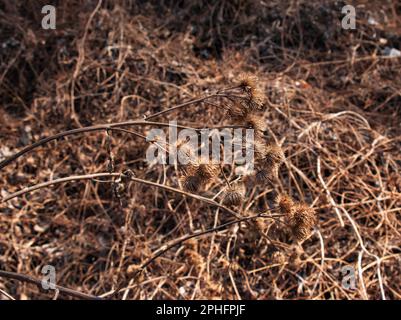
[[325, 104]]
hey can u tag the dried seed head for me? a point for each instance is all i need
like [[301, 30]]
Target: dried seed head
[[302, 221], [207, 171], [285, 204], [191, 183], [274, 154], [248, 80], [250, 85], [255, 122], [266, 173], [270, 153], [237, 111], [257, 98], [278, 257], [190, 169], [195, 258], [195, 174], [262, 175], [268, 158], [234, 194], [260, 149]]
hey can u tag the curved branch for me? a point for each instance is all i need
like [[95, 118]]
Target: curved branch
[[100, 127], [108, 174], [188, 103], [29, 279]]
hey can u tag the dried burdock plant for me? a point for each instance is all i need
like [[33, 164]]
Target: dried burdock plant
[[255, 122], [191, 183], [300, 217], [237, 111], [273, 155], [315, 102], [256, 97], [268, 158], [302, 221], [278, 257], [285, 204], [197, 174], [234, 194]]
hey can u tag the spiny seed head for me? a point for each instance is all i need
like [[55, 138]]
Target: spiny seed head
[[257, 98], [262, 175], [278, 257], [207, 171], [285, 204], [266, 173], [270, 153], [190, 169], [250, 84], [196, 173], [260, 149], [234, 194], [274, 154], [255, 122], [302, 221], [191, 183], [247, 80], [237, 111]]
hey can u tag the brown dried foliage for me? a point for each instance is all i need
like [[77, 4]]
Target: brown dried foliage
[[330, 98]]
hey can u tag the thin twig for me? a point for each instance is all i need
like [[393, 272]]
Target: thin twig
[[29, 279]]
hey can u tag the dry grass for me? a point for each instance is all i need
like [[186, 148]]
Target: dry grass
[[333, 104]]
